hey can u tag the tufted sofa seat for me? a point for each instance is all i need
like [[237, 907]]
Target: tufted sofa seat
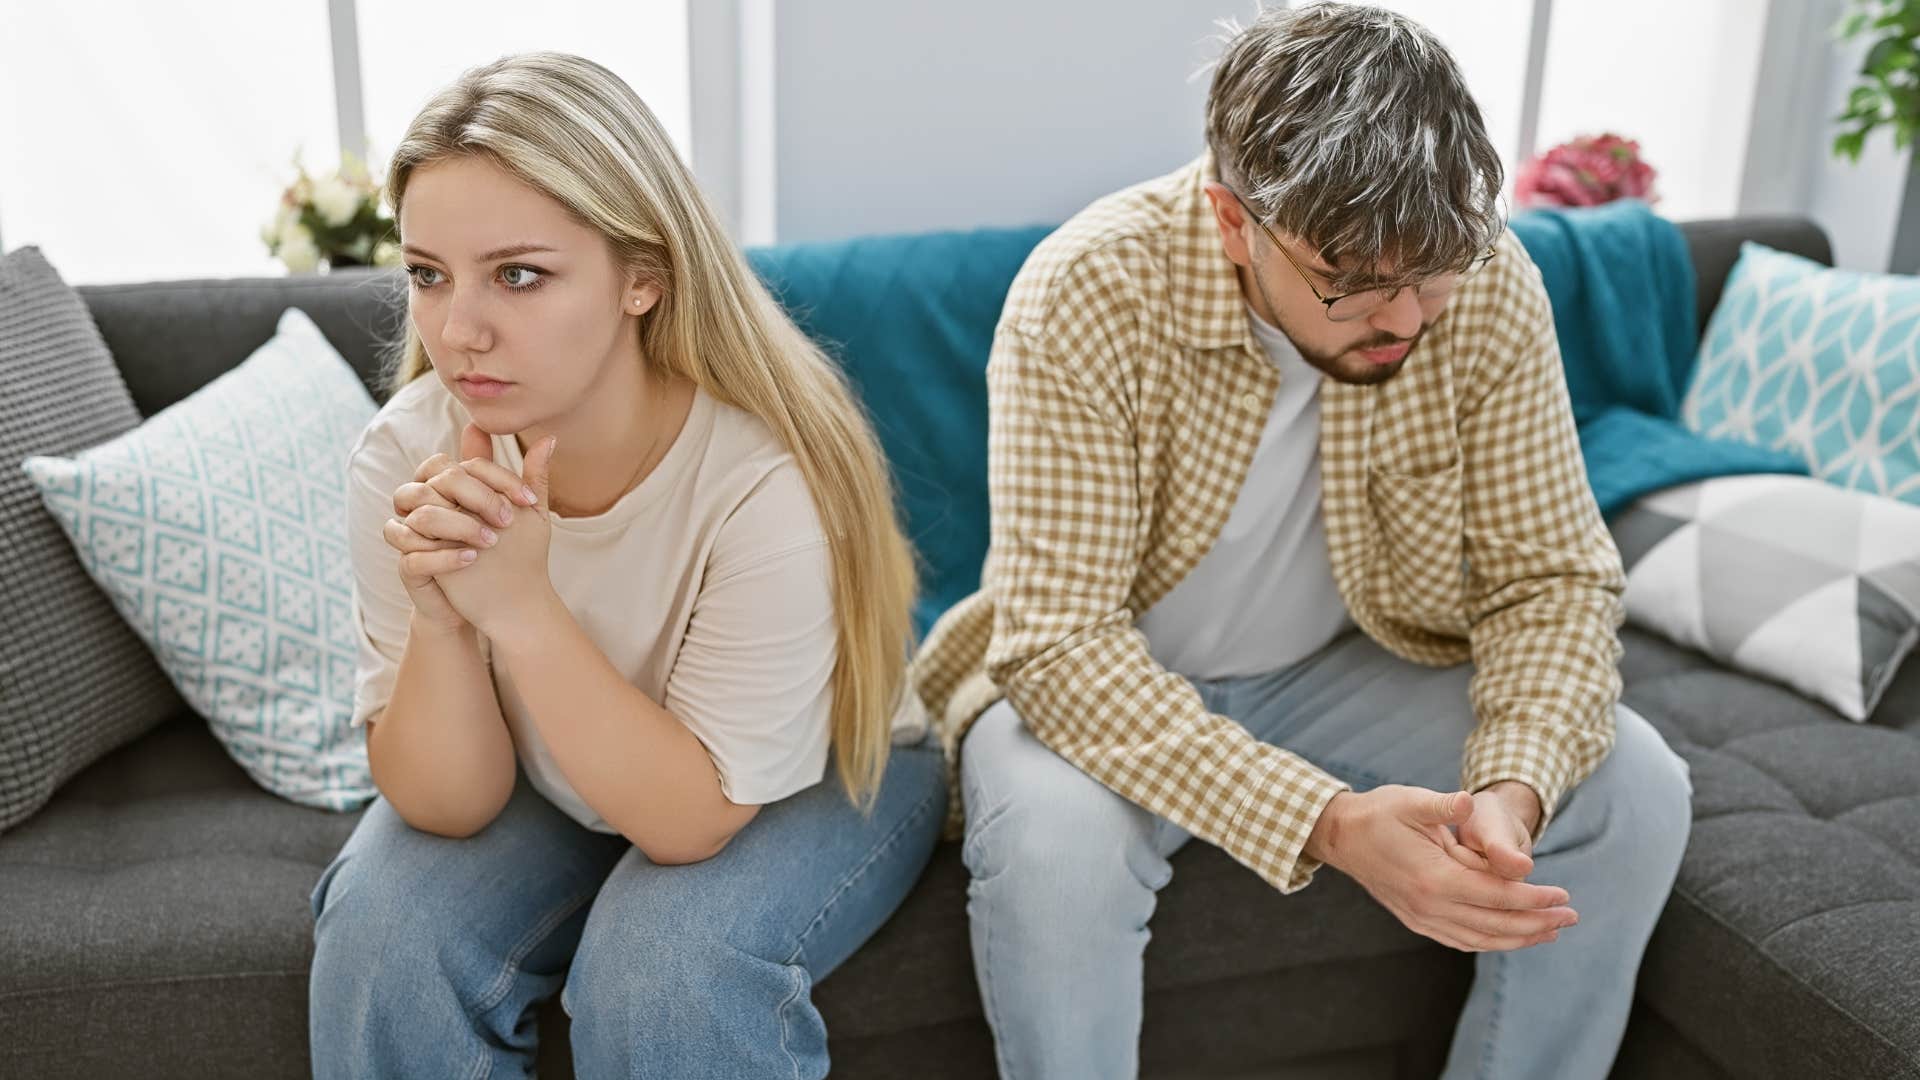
[[1793, 933]]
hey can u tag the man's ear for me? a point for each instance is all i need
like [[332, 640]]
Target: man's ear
[[1231, 219]]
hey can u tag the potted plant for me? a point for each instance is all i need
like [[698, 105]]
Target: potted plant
[[1888, 93]]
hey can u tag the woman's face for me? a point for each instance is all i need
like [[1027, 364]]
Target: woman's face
[[507, 287]]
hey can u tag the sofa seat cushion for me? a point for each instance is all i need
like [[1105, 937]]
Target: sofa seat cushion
[[160, 921], [1791, 945], [160, 917], [157, 920]]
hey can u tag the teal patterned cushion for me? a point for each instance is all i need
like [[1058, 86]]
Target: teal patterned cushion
[[1823, 363], [218, 530]]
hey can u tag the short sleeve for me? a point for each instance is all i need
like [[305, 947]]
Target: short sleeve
[[381, 606], [753, 678]]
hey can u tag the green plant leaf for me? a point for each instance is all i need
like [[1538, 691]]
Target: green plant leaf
[[1883, 57]]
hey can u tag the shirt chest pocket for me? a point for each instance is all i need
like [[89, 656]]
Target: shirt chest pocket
[[1419, 573]]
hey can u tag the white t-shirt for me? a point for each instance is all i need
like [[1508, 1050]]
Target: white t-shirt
[[1263, 597], [709, 586]]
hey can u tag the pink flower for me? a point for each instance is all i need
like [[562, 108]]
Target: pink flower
[[1586, 171]]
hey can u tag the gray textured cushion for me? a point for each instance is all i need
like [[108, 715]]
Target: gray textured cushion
[[75, 682]]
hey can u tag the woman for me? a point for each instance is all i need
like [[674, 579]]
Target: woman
[[626, 569]]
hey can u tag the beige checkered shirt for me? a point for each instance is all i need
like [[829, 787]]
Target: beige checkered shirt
[[1127, 397]]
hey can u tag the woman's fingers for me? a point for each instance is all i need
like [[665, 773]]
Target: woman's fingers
[[421, 565], [469, 492], [441, 472], [411, 496], [445, 523], [432, 467], [402, 538], [501, 479]]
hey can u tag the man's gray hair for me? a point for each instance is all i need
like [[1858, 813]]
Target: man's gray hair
[[1351, 128]]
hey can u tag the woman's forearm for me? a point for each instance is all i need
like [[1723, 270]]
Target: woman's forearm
[[630, 759], [440, 751]]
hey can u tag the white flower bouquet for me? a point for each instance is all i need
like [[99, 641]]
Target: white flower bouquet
[[337, 217]]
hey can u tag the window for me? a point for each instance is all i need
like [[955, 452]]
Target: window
[[407, 51], [1633, 67], [1639, 68], [151, 141]]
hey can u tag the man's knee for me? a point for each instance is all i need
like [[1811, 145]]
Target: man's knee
[[1037, 818], [1644, 794]]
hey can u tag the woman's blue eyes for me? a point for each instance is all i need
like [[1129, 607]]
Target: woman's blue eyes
[[414, 271], [539, 277]]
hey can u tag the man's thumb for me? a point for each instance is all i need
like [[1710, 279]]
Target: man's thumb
[[475, 443], [539, 470], [1447, 808]]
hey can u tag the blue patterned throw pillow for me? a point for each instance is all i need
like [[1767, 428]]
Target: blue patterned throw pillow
[[218, 530], [1823, 363]]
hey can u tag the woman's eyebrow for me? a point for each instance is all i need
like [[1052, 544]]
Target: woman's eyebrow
[[501, 253]]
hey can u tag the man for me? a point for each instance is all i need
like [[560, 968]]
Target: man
[[1280, 442]]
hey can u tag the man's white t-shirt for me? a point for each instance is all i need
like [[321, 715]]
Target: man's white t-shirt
[[1263, 597], [709, 586]]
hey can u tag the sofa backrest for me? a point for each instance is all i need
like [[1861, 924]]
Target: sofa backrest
[[1715, 246], [910, 317]]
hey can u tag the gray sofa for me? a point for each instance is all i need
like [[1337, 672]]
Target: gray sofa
[[157, 922]]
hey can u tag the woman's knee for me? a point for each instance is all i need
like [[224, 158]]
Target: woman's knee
[[370, 904], [672, 992]]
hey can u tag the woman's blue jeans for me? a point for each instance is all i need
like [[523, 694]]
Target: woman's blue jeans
[[430, 952]]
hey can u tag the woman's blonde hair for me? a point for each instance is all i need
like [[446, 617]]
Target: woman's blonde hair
[[576, 132]]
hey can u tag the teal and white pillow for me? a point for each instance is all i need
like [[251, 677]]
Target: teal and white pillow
[[1784, 577], [1821, 362], [218, 530]]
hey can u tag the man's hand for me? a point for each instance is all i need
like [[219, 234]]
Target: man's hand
[[1499, 834], [1398, 843]]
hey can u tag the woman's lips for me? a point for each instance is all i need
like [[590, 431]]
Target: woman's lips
[[1389, 355], [483, 388]]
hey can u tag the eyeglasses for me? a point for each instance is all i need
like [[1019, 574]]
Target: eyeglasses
[[1355, 305]]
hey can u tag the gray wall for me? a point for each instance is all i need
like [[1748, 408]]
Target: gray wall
[[893, 116]]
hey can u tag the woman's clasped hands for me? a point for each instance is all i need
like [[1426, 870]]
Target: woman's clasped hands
[[473, 537]]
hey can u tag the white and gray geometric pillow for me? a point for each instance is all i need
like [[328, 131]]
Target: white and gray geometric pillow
[[1785, 577], [218, 529]]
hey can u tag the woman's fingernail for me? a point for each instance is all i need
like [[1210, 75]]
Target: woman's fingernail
[[506, 515], [527, 495], [468, 555], [487, 534]]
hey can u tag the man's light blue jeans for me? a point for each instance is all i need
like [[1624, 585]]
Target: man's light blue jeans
[[1065, 871], [430, 952]]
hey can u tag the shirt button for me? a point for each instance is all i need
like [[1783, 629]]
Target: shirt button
[[1189, 545], [1253, 402]]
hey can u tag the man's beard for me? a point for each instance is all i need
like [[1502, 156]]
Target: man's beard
[[1342, 367], [1357, 372]]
